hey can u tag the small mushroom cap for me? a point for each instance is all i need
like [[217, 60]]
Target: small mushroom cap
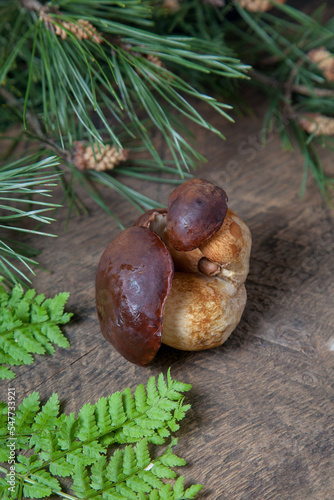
[[196, 210], [133, 280]]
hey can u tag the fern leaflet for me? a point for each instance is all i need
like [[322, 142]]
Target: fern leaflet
[[29, 324], [106, 450]]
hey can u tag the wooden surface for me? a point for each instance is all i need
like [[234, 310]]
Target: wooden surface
[[261, 423]]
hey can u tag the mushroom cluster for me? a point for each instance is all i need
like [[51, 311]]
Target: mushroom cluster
[[176, 276]]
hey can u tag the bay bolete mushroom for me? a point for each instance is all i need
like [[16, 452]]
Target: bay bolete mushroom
[[177, 276]]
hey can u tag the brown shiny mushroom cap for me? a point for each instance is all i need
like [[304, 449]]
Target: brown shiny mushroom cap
[[133, 279], [196, 210]]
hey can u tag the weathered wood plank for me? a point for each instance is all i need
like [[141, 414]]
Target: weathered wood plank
[[261, 424]]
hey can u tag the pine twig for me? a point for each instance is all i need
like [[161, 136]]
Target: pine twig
[[32, 5], [11, 101]]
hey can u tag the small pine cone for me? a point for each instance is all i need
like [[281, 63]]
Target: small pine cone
[[324, 60], [155, 60], [257, 5], [82, 29], [102, 159], [171, 6], [87, 30], [215, 3], [78, 159], [317, 124], [63, 29]]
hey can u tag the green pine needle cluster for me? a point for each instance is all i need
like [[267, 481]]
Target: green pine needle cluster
[[70, 89], [276, 45], [25, 191], [113, 450], [144, 69], [29, 324]]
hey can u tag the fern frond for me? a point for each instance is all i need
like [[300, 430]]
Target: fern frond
[[88, 448], [29, 325]]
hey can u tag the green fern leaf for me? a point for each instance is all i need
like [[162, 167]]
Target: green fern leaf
[[174, 395], [26, 412], [116, 409], [53, 333], [142, 454], [166, 492], [36, 491], [77, 447], [55, 307], [77, 457], [44, 477], [192, 491], [150, 423], [129, 404], [35, 330], [98, 474], [38, 314], [152, 392], [154, 495], [47, 442], [172, 460], [135, 432], [29, 325], [142, 496], [81, 483], [167, 404], [159, 414], [26, 464], [24, 339], [162, 386], [67, 430], [6, 494], [8, 344], [129, 461], [178, 489], [173, 425], [140, 399], [14, 299], [61, 468], [114, 471], [180, 386], [48, 414], [94, 450], [128, 493], [163, 472], [113, 496], [151, 479], [164, 431], [4, 452], [138, 485], [88, 429], [6, 373], [156, 439], [103, 418]]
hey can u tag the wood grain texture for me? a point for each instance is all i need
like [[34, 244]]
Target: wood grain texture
[[261, 424]]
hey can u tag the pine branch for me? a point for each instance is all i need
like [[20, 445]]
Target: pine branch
[[79, 447], [24, 185], [100, 78], [294, 66], [292, 59], [29, 324]]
